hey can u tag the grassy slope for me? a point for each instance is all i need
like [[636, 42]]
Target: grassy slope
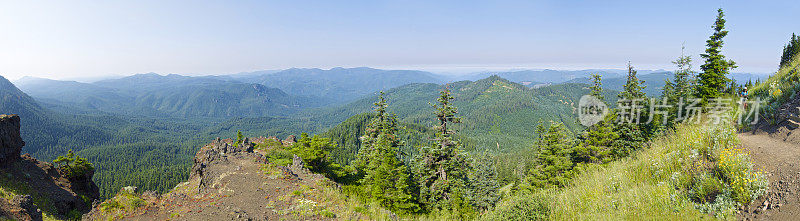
[[637, 187], [659, 182], [778, 89]]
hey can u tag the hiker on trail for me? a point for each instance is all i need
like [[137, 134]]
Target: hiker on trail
[[744, 92], [744, 96]]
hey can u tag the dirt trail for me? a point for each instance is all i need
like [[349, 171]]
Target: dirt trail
[[779, 158]]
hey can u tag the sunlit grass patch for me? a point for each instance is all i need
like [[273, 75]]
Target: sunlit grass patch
[[126, 201], [689, 173]]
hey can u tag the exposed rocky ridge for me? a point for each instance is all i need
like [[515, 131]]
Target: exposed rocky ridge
[[232, 182], [10, 140], [34, 186]]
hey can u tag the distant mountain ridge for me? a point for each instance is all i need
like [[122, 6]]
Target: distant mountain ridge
[[340, 84], [280, 93], [170, 95], [257, 94], [654, 82]]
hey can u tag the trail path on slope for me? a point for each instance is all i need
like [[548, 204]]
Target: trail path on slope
[[780, 161]]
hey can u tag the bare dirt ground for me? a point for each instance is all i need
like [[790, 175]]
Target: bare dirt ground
[[777, 153]]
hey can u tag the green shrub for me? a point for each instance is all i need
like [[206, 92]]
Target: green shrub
[[279, 157], [314, 151], [706, 188], [521, 207], [73, 166], [110, 205]]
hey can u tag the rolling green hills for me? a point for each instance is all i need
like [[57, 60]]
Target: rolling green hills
[[153, 152], [496, 112]]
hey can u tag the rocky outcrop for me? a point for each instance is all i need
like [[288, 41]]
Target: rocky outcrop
[[234, 182], [298, 168], [10, 140], [38, 186], [290, 140], [20, 208], [218, 152]]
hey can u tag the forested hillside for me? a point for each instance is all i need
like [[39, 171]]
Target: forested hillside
[[496, 112], [154, 95]]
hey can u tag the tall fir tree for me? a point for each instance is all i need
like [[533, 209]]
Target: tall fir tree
[[680, 89], [554, 157], [595, 145], [484, 189], [376, 126], [713, 80], [632, 105], [386, 178], [633, 88], [791, 50], [597, 86], [683, 79], [443, 169]]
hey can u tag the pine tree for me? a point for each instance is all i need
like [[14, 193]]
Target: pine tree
[[713, 80], [631, 133], [376, 126], [680, 87], [554, 163], [74, 166], [633, 88], [684, 77], [669, 90], [386, 178], [732, 88], [239, 137], [484, 190], [443, 169], [597, 87], [791, 50], [597, 143]]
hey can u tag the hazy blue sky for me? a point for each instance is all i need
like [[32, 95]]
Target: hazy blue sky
[[70, 39]]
